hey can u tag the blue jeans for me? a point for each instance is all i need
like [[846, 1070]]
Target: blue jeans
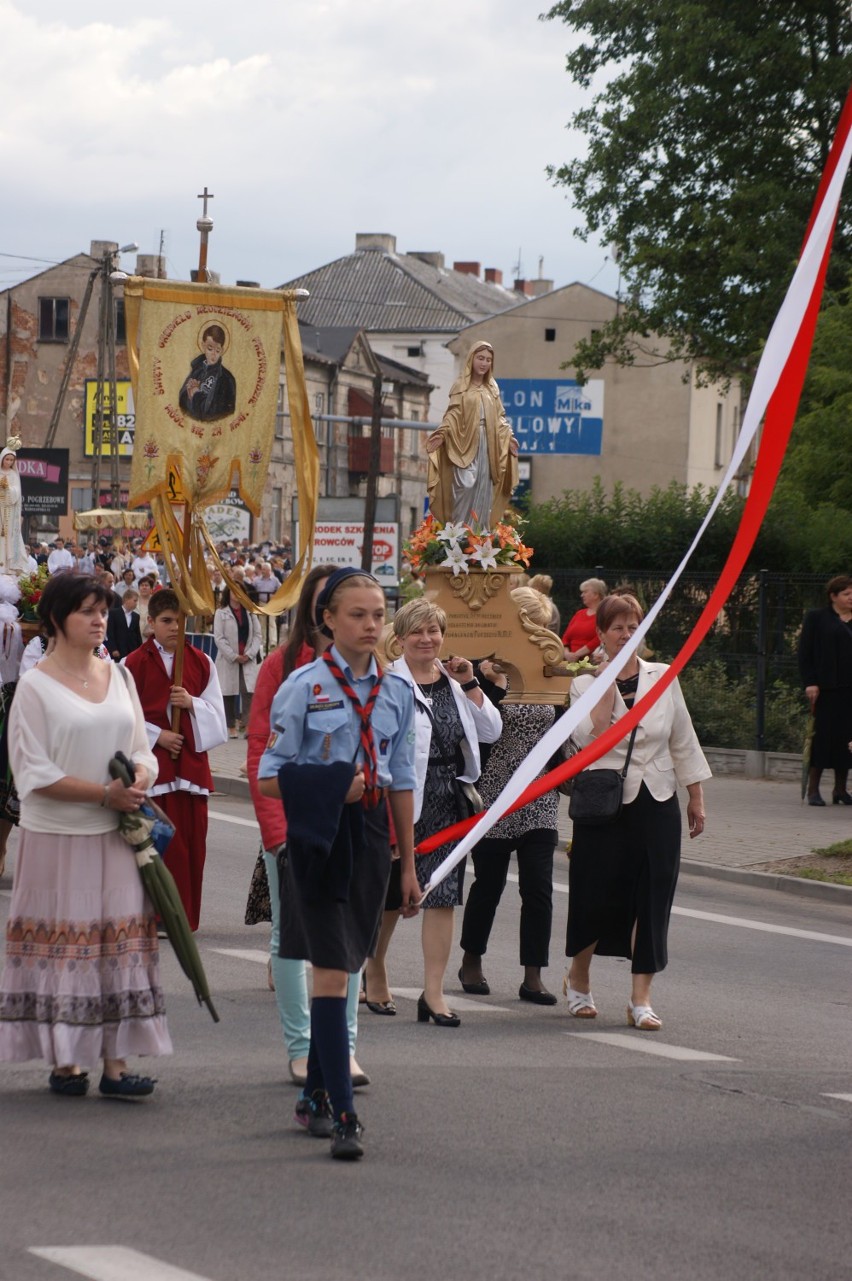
[[291, 987]]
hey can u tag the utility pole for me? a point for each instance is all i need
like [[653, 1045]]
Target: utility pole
[[372, 476]]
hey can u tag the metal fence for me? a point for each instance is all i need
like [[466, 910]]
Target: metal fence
[[753, 640]]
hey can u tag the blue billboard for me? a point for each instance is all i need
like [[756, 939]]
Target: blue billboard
[[555, 415]]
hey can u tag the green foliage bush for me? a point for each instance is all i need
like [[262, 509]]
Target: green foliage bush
[[723, 709]]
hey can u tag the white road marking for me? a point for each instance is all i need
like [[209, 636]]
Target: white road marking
[[743, 922], [232, 818], [642, 1042], [113, 1263], [844, 1098], [243, 953], [459, 1003]]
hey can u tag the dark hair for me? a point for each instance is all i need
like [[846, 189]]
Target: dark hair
[[217, 333], [839, 583], [304, 626], [613, 607], [162, 601], [147, 578], [64, 594], [343, 576]]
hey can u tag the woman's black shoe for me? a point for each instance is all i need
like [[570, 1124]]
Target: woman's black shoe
[[128, 1086], [480, 988], [380, 1007], [538, 997], [841, 798], [814, 798], [424, 1014]]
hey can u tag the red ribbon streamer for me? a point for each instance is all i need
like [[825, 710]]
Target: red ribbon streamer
[[778, 423]]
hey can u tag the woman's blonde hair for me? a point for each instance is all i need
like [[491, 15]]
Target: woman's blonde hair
[[542, 583], [417, 614], [596, 584], [535, 604]]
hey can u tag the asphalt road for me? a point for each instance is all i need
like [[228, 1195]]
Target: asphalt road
[[523, 1144]]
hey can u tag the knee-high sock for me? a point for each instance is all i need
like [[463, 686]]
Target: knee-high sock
[[330, 1044]]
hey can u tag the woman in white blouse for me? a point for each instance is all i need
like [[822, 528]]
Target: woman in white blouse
[[81, 980]]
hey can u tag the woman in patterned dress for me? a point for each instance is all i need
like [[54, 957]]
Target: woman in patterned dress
[[531, 832], [451, 717], [81, 980]]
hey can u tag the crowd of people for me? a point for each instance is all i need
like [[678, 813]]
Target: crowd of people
[[362, 742]]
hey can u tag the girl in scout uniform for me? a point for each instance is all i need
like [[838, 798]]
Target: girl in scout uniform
[[341, 749]]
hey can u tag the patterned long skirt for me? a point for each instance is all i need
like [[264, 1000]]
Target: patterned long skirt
[[81, 980]]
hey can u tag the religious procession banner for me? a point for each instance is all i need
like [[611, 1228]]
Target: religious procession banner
[[205, 364]]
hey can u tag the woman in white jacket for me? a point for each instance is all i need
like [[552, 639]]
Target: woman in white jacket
[[623, 875], [238, 645], [452, 716]]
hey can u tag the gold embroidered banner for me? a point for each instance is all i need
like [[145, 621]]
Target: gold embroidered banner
[[205, 366]]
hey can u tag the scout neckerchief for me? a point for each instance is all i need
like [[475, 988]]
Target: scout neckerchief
[[372, 792]]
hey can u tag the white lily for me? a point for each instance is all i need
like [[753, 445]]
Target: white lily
[[452, 533], [456, 560], [486, 554]]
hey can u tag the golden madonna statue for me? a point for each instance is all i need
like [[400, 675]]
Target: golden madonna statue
[[473, 464]]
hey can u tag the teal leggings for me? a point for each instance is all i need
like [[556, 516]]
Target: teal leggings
[[291, 988]]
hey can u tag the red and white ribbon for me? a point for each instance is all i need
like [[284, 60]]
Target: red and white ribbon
[[775, 394]]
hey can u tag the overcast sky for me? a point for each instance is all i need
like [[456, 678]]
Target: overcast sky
[[309, 120]]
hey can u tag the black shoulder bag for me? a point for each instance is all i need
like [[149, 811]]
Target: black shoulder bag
[[596, 796]]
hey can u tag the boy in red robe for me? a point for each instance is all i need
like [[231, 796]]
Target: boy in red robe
[[184, 781]]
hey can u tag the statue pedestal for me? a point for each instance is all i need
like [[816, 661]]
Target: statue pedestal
[[484, 622]]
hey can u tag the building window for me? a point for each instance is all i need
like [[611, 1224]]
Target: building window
[[415, 351], [276, 513], [281, 411], [81, 498], [53, 319], [717, 459], [120, 323], [550, 335]]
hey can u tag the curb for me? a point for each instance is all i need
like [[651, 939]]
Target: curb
[[824, 891], [227, 785]]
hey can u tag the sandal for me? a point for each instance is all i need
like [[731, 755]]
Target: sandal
[[643, 1018], [581, 1005]]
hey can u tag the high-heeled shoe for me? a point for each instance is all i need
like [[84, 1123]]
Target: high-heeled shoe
[[375, 1007], [424, 1014], [841, 798], [814, 798]]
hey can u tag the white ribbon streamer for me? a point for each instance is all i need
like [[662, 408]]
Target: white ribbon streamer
[[775, 356]]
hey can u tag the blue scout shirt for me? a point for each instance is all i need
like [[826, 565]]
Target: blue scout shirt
[[312, 722]]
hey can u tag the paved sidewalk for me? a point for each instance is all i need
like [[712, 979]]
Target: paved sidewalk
[[749, 822]]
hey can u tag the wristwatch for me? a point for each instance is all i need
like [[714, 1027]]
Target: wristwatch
[[469, 685]]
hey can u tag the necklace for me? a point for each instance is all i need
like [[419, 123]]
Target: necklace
[[427, 698], [74, 675]]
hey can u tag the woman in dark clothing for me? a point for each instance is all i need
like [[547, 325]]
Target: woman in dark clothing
[[825, 664]]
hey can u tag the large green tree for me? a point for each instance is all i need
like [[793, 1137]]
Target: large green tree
[[702, 155]]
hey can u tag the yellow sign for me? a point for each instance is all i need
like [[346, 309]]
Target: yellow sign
[[152, 542], [125, 419], [174, 492]]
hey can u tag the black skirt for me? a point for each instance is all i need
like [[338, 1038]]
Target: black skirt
[[832, 729], [625, 874], [333, 935]]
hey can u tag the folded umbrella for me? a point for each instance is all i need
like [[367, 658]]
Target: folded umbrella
[[138, 829], [807, 748]]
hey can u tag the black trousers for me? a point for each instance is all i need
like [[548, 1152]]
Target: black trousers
[[535, 877]]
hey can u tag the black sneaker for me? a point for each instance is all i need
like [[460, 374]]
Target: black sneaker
[[315, 1115], [346, 1142]]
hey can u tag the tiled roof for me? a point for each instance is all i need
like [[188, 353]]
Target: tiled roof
[[375, 290], [330, 345]]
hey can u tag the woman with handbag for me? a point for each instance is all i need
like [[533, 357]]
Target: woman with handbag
[[238, 652], [623, 872], [452, 716], [81, 981]]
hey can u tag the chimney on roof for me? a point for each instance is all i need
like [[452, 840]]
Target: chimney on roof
[[468, 268], [524, 287], [431, 259], [98, 248], [493, 275], [540, 286], [375, 240], [152, 266]]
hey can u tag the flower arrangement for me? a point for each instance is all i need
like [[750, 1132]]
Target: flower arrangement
[[32, 585], [465, 547]]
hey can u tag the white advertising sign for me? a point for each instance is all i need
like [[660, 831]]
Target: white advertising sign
[[338, 542]]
